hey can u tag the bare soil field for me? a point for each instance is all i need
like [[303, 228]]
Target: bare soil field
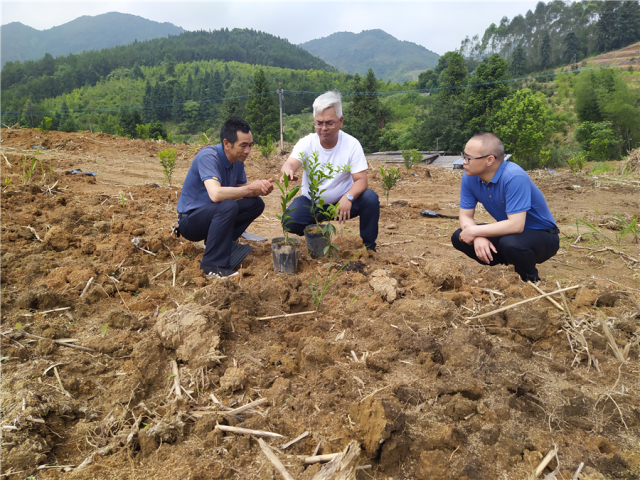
[[124, 362]]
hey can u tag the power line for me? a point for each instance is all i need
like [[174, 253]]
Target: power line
[[302, 92]]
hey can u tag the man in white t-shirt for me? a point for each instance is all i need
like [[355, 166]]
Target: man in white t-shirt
[[349, 189]]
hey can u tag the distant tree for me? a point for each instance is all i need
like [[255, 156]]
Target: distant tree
[[518, 64], [29, 115], [454, 76], [262, 111], [525, 125], [545, 51], [427, 79], [364, 117], [628, 24], [69, 125], [442, 125], [606, 27], [137, 71], [169, 64], [483, 100], [598, 140], [572, 47], [128, 118], [157, 131]]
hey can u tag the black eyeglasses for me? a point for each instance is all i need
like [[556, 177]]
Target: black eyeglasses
[[466, 158]]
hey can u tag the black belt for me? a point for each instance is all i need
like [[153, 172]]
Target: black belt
[[183, 215], [555, 231]]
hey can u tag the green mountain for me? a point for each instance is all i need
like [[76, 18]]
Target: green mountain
[[20, 42], [50, 77], [390, 58]]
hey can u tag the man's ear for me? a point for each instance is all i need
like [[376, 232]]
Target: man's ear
[[226, 143], [491, 160]]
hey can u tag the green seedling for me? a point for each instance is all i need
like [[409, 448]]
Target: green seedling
[[45, 125], [28, 168], [168, 162], [590, 226], [267, 147], [319, 289], [146, 425], [628, 227], [122, 200], [4, 358], [317, 174], [285, 198], [171, 376], [576, 163], [7, 181], [103, 329], [390, 177], [411, 157], [19, 326]]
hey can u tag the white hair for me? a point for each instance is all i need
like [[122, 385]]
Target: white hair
[[328, 100]]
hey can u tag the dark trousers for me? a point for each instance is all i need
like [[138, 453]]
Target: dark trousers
[[219, 225], [522, 250], [366, 206]]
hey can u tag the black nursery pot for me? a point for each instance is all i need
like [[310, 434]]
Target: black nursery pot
[[285, 257], [316, 241]]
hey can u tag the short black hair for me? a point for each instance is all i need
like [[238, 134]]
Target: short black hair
[[492, 143], [231, 127]]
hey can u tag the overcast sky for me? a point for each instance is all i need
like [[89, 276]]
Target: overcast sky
[[438, 26]]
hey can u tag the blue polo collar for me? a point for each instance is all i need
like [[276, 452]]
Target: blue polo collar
[[498, 174], [223, 157]]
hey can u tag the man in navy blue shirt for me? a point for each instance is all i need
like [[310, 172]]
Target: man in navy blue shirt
[[525, 232], [217, 204]]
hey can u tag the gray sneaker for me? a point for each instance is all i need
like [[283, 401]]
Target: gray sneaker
[[217, 272]]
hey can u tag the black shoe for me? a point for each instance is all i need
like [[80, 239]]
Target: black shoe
[[371, 249], [218, 272]]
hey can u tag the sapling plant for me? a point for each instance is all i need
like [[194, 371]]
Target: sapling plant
[[319, 289], [390, 177], [45, 125], [168, 162], [411, 157], [28, 169], [318, 173], [285, 198], [267, 147]]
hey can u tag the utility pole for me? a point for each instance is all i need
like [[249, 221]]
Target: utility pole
[[281, 129]]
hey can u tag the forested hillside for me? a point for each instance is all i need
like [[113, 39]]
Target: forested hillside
[[388, 57], [21, 42], [557, 33], [50, 77]]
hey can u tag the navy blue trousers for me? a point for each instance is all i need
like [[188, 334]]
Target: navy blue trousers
[[366, 206], [219, 225], [522, 250]]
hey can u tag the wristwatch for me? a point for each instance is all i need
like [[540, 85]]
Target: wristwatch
[[349, 197]]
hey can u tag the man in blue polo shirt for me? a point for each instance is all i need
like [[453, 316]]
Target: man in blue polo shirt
[[217, 204], [525, 232]]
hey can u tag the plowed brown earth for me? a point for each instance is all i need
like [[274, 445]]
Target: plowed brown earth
[[426, 391]]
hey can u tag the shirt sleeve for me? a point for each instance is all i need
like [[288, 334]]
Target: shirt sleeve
[[302, 146], [468, 200], [518, 194], [358, 160], [208, 167]]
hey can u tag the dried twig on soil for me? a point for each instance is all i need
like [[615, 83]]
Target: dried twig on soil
[[86, 287], [548, 298], [609, 280], [320, 458], [286, 315], [6, 160], [577, 474], [173, 271], [59, 342], [247, 431], [545, 461], [33, 230], [246, 407], [52, 366], [612, 342], [394, 243], [55, 370], [176, 378], [488, 314], [343, 466], [297, 439], [158, 274], [274, 460]]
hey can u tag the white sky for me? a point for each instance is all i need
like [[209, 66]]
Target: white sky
[[438, 26]]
